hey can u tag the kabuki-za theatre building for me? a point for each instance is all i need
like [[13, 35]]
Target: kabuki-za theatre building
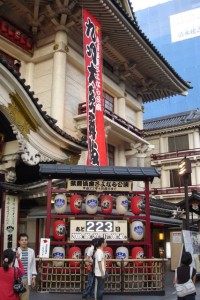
[[74, 78]]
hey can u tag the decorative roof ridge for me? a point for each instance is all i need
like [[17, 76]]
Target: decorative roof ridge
[[142, 34], [184, 113], [48, 119]]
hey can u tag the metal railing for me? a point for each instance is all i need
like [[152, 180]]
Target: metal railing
[[125, 276], [175, 154], [174, 190], [116, 118]]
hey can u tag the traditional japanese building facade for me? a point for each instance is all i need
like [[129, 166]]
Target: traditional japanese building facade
[[174, 137], [43, 116]]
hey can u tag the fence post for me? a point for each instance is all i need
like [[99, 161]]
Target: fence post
[[122, 275]]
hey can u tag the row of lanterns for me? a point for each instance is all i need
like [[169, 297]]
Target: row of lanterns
[[91, 204], [75, 253], [136, 230], [15, 35]]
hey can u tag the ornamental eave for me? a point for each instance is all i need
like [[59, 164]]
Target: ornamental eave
[[38, 129], [134, 58]]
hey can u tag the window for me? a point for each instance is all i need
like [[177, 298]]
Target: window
[[178, 143], [111, 155], [108, 102], [176, 180], [15, 64]]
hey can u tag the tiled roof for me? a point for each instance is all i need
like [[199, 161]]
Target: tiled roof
[[194, 197], [48, 119], [168, 121], [96, 172]]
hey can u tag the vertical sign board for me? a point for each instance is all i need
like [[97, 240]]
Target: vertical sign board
[[94, 94], [44, 248], [192, 244], [176, 242], [10, 222]]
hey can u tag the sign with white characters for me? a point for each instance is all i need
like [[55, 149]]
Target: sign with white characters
[[111, 230]]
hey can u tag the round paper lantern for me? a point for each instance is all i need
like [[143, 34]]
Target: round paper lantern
[[59, 253], [108, 252], [137, 230], [122, 253], [60, 204], [74, 253], [76, 204], [121, 205], [91, 204], [59, 229], [106, 204], [136, 205], [137, 253]]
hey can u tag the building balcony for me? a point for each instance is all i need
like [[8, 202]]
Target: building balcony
[[174, 190], [117, 129], [115, 118], [175, 154]]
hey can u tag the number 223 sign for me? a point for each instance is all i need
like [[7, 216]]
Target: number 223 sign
[[84, 230]]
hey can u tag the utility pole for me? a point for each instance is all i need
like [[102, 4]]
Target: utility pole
[[184, 169]]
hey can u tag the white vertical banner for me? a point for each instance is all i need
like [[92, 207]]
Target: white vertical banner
[[10, 221], [44, 248]]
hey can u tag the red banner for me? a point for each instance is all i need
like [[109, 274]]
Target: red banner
[[94, 94]]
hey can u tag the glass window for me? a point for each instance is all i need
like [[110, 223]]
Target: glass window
[[111, 155], [11, 60], [108, 102], [178, 143], [176, 180]]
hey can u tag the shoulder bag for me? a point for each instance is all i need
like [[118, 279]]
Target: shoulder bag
[[18, 285], [187, 288]]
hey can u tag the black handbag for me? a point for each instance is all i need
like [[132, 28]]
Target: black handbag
[[18, 285]]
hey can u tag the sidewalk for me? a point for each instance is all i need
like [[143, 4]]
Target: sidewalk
[[169, 293]]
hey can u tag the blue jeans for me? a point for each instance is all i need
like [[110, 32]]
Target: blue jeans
[[89, 288], [99, 287]]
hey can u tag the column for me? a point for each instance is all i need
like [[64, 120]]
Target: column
[[162, 146], [140, 158], [30, 74], [196, 138], [59, 78], [121, 155], [122, 108], [197, 173]]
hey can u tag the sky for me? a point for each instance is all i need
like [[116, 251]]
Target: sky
[[142, 4], [172, 26]]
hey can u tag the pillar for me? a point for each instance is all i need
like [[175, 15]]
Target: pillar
[[121, 156], [30, 74], [196, 139], [59, 78]]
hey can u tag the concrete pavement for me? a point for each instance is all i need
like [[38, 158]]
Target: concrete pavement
[[169, 293]]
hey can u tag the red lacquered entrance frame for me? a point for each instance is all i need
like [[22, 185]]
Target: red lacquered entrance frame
[[146, 177]]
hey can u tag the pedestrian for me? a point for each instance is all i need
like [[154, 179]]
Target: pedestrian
[[7, 275], [100, 269], [89, 259], [183, 274], [27, 256]]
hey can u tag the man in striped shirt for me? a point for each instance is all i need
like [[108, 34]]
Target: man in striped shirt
[[27, 256]]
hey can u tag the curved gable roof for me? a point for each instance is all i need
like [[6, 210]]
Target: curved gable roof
[[47, 119]]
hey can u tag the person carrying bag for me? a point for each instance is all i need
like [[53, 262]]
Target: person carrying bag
[[185, 277], [7, 275]]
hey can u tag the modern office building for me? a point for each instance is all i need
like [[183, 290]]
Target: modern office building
[[174, 28]]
